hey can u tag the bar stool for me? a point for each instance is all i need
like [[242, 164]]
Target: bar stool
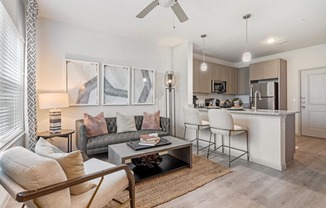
[[192, 119], [221, 123]]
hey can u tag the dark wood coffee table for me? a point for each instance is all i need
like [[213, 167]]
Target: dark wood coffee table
[[175, 156]]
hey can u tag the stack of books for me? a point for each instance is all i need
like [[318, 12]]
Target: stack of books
[[149, 139]]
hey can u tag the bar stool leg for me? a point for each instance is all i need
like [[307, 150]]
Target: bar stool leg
[[222, 144], [247, 145], [229, 149], [184, 134], [214, 141], [210, 139], [197, 140]]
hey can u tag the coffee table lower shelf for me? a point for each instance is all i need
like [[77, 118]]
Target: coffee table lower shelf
[[169, 163]]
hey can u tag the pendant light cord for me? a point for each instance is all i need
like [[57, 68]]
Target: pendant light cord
[[203, 49], [246, 34]]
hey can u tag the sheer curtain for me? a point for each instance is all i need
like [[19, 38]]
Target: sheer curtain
[[31, 124]]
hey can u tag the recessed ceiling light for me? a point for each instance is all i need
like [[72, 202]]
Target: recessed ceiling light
[[270, 40]]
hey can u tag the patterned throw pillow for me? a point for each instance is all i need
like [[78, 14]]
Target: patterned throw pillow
[[125, 123], [151, 121], [95, 126]]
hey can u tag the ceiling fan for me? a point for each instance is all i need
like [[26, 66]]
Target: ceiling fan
[[175, 6]]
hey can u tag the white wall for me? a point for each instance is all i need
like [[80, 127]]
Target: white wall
[[182, 65], [57, 41], [306, 58]]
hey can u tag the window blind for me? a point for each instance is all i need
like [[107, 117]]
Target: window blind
[[11, 79]]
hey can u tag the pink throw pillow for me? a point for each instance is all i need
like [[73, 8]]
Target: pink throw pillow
[[95, 126], [151, 121]]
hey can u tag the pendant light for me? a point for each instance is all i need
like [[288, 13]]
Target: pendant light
[[246, 57], [203, 66]]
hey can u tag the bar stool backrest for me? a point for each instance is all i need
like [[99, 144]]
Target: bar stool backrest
[[220, 119], [192, 116]]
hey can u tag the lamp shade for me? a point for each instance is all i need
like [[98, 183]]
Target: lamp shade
[[203, 66], [169, 79], [53, 100], [246, 57]]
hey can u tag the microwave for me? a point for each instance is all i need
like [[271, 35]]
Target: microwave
[[218, 86]]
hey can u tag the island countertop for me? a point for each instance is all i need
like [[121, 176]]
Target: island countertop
[[256, 112]]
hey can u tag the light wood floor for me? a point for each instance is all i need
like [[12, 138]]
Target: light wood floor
[[302, 184]]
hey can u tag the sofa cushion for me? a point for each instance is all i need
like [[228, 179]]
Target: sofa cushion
[[95, 125], [115, 138], [32, 171], [125, 123], [151, 121], [71, 163]]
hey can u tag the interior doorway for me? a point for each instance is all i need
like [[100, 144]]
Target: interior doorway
[[313, 102]]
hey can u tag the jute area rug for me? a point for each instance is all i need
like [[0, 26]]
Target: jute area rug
[[161, 189]]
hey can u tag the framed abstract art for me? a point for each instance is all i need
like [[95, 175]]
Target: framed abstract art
[[115, 84], [82, 81], [143, 82]]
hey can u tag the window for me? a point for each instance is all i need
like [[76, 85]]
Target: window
[[11, 79]]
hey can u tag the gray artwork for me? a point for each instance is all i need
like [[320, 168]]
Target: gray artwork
[[115, 85], [143, 86], [82, 82]]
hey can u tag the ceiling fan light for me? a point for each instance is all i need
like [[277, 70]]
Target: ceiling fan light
[[166, 3], [246, 57], [203, 66]]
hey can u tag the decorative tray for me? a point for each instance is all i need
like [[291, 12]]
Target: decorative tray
[[136, 146]]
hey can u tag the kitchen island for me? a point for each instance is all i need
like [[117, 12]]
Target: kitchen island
[[271, 135]]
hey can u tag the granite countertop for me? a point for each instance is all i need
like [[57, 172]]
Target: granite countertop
[[257, 112]]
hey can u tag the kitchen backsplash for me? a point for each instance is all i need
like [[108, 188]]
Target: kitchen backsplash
[[223, 97]]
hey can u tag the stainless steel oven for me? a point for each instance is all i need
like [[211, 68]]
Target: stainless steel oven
[[218, 86]]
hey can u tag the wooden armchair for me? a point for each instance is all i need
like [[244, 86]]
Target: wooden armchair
[[110, 179]]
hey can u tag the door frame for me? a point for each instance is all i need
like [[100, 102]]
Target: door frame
[[300, 91]]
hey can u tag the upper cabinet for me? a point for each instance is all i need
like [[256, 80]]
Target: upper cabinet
[[243, 81], [265, 70], [202, 80], [275, 69]]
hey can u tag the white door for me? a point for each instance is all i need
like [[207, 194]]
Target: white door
[[313, 102]]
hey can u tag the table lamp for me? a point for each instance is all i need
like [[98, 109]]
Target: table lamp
[[54, 101]]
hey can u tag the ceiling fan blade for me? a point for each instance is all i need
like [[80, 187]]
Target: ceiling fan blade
[[178, 11], [147, 9]]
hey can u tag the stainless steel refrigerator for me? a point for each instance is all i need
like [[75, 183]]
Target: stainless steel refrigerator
[[269, 95]]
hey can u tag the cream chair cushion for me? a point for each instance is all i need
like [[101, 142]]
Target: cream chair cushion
[[192, 119], [110, 187], [32, 171], [221, 122], [71, 163]]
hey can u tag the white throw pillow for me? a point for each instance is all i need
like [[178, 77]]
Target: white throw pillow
[[125, 123], [32, 171], [71, 163]]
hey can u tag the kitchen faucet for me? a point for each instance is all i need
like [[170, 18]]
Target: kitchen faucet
[[257, 92]]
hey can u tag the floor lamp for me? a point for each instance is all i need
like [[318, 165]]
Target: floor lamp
[[169, 81]]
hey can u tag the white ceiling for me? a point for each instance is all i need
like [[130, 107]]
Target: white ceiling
[[301, 23]]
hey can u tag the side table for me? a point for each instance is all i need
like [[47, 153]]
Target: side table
[[63, 133]]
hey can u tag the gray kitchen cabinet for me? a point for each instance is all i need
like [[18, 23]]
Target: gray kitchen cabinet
[[265, 70], [195, 75], [243, 81], [275, 70], [201, 79]]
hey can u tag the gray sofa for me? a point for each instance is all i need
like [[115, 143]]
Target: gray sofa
[[99, 144]]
